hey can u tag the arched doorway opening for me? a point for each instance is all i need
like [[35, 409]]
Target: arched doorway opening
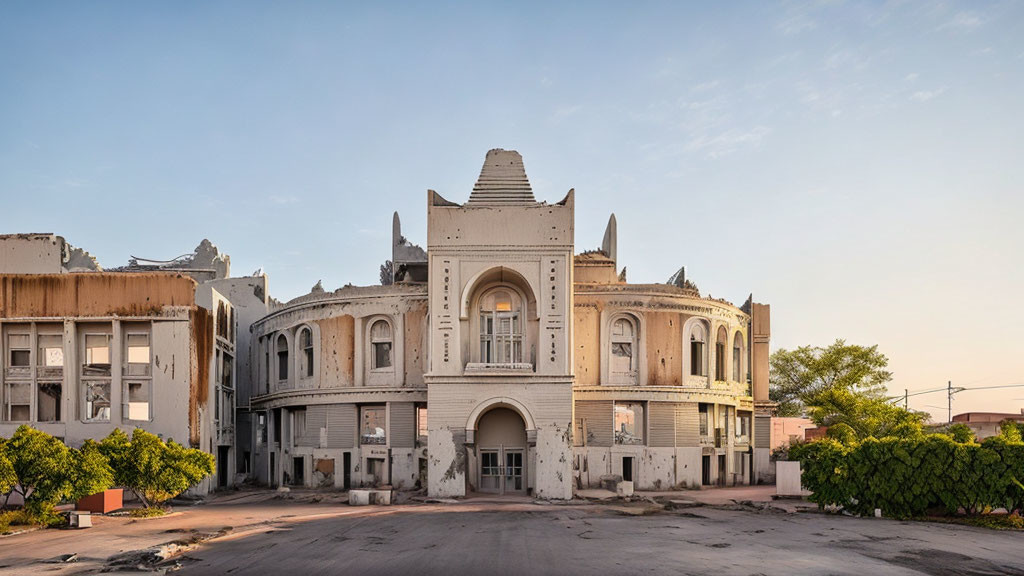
[[501, 452]]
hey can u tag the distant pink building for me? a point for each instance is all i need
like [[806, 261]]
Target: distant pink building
[[986, 424], [786, 430]]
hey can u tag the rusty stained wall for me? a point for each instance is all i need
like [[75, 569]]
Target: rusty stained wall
[[587, 341], [337, 351], [201, 349], [664, 348], [98, 294], [415, 329]]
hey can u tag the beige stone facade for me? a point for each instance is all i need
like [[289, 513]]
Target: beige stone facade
[[499, 360]]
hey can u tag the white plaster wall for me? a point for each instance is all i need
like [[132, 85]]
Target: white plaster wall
[[654, 468], [550, 408]]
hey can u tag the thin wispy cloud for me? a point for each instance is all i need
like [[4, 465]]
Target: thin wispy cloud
[[283, 200], [962, 22], [926, 95], [728, 142]]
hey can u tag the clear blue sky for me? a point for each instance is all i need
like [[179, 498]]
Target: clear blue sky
[[858, 166]]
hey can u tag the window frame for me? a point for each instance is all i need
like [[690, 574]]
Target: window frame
[[93, 374], [10, 350], [631, 377], [374, 341], [282, 362], [697, 357], [307, 358], [639, 438], [362, 418], [494, 343]]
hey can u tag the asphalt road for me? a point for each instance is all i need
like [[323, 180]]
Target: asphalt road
[[601, 540]]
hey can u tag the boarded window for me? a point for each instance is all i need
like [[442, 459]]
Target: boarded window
[[703, 418], [51, 351], [629, 423], [17, 401], [380, 340], [373, 425], [622, 359]]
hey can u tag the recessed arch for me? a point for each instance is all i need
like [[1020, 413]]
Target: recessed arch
[[739, 357], [500, 402], [497, 276], [696, 335]]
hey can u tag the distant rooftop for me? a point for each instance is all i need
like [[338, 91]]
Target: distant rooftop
[[502, 180]]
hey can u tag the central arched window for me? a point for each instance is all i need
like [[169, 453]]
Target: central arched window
[[622, 363], [698, 347], [501, 327], [380, 342], [306, 345], [282, 357]]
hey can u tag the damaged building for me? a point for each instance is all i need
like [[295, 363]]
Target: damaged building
[[500, 360], [155, 345]]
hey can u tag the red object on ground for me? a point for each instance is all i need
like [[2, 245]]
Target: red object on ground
[[102, 502]]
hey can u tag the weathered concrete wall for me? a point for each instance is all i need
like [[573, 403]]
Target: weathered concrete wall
[[654, 468], [170, 350], [30, 254], [587, 351], [337, 351], [548, 406], [92, 294], [415, 342], [664, 348]]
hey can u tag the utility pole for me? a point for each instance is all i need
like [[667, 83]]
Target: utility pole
[[906, 406], [949, 395]]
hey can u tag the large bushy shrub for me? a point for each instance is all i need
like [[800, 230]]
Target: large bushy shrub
[[44, 471], [47, 472], [912, 475], [154, 470]]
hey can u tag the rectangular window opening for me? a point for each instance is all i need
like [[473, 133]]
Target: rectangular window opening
[[48, 402], [97, 401], [373, 425], [138, 356], [629, 423]]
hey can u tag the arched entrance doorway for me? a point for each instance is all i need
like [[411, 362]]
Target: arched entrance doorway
[[501, 452]]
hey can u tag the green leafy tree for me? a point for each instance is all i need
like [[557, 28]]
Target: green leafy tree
[[8, 478], [961, 433], [1010, 431], [799, 376], [91, 471], [867, 416], [842, 433], [154, 470], [42, 465]]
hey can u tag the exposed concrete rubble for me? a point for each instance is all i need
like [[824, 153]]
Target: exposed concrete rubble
[[680, 280], [204, 263]]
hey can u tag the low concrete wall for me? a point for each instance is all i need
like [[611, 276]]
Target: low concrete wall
[[787, 479]]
